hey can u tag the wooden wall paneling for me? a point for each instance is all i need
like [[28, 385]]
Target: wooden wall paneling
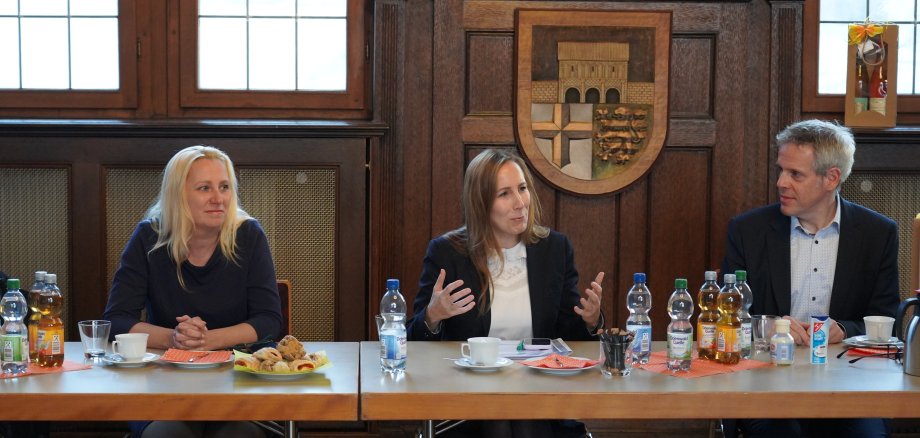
[[387, 210], [490, 60], [417, 140], [591, 224], [632, 240], [738, 168], [679, 196], [449, 78], [87, 242], [691, 76], [785, 74]]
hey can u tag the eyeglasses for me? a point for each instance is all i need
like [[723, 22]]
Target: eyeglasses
[[891, 352]]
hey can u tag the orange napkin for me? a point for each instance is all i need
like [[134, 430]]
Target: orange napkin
[[700, 367], [176, 355], [867, 351], [558, 361], [35, 369]]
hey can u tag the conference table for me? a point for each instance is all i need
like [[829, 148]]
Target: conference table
[[434, 388], [161, 391]]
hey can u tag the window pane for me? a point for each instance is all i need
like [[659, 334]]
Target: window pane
[[322, 8], [321, 49], [9, 53], [222, 53], [844, 10], [43, 7], [235, 8], [906, 67], [9, 7], [272, 54], [94, 53], [272, 8], [832, 58], [891, 10], [44, 53], [94, 7]]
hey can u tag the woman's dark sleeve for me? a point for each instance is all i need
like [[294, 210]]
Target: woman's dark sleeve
[[416, 328], [569, 324], [262, 286], [128, 295]]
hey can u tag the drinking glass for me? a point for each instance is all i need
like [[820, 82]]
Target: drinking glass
[[762, 330], [95, 337]]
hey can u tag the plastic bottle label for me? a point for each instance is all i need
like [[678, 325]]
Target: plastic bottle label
[[12, 348], [393, 347], [745, 335], [782, 353], [729, 339], [679, 345], [50, 342], [643, 342], [707, 335]]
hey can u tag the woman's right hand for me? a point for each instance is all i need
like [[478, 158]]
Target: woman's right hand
[[190, 333], [445, 302]]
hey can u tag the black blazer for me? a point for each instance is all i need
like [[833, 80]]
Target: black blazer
[[551, 277], [865, 279]]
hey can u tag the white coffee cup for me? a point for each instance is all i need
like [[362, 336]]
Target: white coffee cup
[[130, 346], [878, 328], [482, 351]]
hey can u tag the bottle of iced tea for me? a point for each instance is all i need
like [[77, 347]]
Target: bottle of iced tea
[[51, 326], [728, 329], [35, 315], [709, 315]]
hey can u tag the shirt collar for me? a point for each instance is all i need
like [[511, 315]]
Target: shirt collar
[[796, 225], [515, 253]]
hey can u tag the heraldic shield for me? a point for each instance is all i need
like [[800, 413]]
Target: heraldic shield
[[591, 109]]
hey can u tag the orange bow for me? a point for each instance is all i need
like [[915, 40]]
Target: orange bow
[[860, 32]]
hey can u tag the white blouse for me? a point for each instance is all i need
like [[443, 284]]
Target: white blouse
[[511, 319]]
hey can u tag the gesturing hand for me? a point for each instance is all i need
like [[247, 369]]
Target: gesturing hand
[[190, 333], [445, 302], [590, 309]]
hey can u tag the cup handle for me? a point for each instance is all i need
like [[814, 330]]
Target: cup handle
[[115, 347], [467, 347]]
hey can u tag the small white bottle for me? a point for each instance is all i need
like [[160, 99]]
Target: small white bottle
[[782, 346]]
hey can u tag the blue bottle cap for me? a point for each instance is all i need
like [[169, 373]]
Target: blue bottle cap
[[392, 283], [639, 277]]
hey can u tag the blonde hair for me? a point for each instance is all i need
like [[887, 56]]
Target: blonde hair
[[477, 238], [171, 218]]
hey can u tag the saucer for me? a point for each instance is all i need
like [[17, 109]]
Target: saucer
[[197, 365], [861, 341], [117, 361], [561, 371], [501, 363]]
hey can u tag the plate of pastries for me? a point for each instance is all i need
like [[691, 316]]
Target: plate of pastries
[[288, 360]]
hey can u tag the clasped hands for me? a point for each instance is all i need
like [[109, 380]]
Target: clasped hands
[[447, 301], [190, 333], [799, 331]]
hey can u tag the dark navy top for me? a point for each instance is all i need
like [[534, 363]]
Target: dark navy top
[[222, 293]]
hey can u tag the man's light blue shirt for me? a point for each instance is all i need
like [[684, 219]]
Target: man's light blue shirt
[[813, 259]]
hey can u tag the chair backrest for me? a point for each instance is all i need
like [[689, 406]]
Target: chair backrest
[[285, 292], [915, 257]]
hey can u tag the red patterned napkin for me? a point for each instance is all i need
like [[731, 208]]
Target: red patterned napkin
[[867, 351], [35, 369], [177, 355], [699, 367], [560, 362]]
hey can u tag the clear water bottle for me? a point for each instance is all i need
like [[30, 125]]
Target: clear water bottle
[[639, 302], [680, 330], [14, 342], [393, 349], [747, 298]]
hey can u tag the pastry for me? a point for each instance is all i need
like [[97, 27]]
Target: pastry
[[281, 367], [290, 348], [248, 362], [268, 353]]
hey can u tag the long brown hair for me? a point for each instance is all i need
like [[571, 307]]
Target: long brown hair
[[476, 238]]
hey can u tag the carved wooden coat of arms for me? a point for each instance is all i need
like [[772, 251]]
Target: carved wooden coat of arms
[[591, 95]]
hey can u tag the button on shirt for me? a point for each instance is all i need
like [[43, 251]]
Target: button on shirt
[[510, 308], [813, 259]]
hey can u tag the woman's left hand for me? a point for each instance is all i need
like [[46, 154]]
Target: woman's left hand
[[190, 333], [590, 309]]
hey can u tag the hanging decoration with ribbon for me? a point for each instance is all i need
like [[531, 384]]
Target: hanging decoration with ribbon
[[869, 49]]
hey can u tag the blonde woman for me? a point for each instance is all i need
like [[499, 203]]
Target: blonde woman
[[503, 275], [198, 263]]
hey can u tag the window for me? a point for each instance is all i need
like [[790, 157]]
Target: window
[[184, 58], [825, 49], [67, 54]]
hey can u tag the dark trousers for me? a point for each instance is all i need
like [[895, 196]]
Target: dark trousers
[[518, 429], [832, 427]]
